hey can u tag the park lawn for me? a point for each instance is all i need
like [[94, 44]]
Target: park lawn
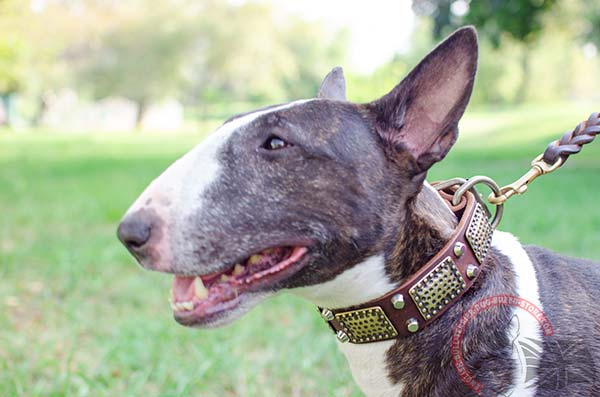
[[79, 318]]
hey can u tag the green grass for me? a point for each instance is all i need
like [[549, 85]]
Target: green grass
[[79, 318]]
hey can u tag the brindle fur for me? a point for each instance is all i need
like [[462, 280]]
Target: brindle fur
[[569, 287]]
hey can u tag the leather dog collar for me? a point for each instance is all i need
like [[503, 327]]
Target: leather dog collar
[[427, 294]]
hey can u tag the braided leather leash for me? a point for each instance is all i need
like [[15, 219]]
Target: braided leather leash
[[555, 155], [572, 141]]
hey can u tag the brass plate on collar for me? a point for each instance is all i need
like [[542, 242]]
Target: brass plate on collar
[[479, 233], [366, 325], [435, 291]]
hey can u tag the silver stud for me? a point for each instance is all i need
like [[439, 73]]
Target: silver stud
[[459, 249], [398, 301], [412, 325], [327, 314], [342, 336], [471, 271]]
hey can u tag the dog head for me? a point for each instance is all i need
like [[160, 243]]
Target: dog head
[[293, 195]]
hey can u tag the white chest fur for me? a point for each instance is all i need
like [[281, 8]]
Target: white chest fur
[[525, 329], [361, 283], [369, 368]]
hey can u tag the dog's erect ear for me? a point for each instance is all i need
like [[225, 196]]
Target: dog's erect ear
[[420, 115], [333, 85]]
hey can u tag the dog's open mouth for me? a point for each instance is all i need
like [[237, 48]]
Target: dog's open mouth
[[195, 299]]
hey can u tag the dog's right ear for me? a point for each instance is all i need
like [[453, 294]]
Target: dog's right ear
[[333, 85], [420, 115]]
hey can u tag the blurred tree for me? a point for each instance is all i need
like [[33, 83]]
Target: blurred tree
[[363, 88], [14, 53], [32, 61], [520, 20], [315, 51], [141, 59], [592, 31], [240, 59], [207, 52], [258, 55]]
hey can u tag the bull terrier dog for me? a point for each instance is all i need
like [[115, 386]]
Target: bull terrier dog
[[328, 199]]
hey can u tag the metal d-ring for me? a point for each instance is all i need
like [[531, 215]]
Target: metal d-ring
[[449, 183], [470, 185]]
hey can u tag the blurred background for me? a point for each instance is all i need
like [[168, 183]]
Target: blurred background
[[97, 97]]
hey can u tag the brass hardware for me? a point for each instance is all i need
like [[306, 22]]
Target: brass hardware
[[412, 325], [442, 284], [538, 167], [342, 336], [366, 325], [459, 249], [443, 185], [479, 234], [327, 314], [398, 301], [469, 184], [471, 271]]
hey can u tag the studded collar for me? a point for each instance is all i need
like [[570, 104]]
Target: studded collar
[[428, 293]]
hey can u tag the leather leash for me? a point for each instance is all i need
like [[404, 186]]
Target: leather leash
[[555, 155]]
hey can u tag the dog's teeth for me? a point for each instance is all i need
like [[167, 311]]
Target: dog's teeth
[[181, 306], [199, 289], [238, 269], [254, 259], [224, 278], [269, 251]]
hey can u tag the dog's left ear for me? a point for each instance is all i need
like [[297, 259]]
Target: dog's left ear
[[333, 85], [420, 115]]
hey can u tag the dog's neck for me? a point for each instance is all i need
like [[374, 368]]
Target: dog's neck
[[429, 225], [430, 207]]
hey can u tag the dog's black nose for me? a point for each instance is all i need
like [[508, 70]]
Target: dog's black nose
[[134, 231]]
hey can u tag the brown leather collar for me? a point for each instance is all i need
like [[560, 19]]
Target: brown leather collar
[[427, 294]]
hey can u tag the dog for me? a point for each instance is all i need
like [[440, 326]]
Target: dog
[[328, 199]]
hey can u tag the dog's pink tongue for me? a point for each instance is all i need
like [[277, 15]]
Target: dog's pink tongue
[[183, 288]]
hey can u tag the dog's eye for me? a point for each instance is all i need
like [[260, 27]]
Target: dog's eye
[[275, 143]]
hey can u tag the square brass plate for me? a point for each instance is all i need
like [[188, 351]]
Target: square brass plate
[[366, 325], [442, 284]]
